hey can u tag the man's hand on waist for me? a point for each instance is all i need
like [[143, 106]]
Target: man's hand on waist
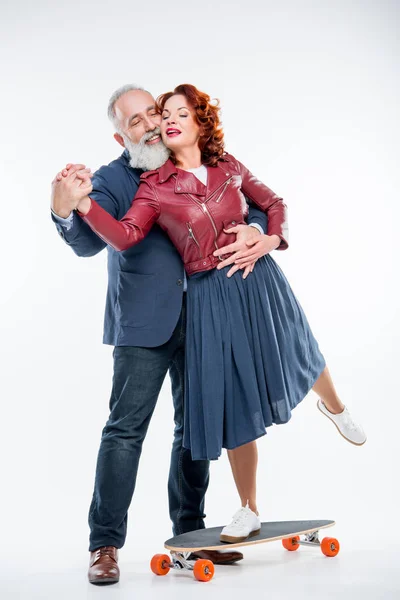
[[246, 235]]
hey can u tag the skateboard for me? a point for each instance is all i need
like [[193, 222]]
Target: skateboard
[[289, 532]]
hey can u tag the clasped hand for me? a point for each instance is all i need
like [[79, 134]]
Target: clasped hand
[[70, 190]]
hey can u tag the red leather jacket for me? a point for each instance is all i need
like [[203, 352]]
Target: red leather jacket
[[192, 214]]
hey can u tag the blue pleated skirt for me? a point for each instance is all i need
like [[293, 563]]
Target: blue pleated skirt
[[251, 357]]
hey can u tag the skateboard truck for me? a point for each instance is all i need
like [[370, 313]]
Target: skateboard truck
[[203, 569], [329, 546], [311, 539], [180, 560]]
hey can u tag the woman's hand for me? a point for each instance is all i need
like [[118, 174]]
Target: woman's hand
[[80, 170], [259, 247]]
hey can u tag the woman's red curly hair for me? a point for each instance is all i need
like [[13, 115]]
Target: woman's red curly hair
[[211, 142]]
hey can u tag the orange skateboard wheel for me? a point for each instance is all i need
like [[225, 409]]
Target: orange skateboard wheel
[[160, 564], [203, 570], [330, 546], [291, 543]]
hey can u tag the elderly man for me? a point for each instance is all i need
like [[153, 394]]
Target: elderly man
[[145, 322]]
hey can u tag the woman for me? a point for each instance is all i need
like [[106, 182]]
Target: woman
[[251, 356]]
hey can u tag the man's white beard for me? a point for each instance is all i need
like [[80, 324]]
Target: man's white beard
[[144, 156]]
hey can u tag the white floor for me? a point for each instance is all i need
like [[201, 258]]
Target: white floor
[[268, 570]]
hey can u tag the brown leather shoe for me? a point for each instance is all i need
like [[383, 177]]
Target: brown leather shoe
[[103, 567], [218, 557]]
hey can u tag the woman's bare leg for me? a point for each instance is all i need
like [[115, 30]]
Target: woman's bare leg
[[326, 391], [244, 461]]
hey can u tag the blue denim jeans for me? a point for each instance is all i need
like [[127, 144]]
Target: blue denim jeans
[[138, 376]]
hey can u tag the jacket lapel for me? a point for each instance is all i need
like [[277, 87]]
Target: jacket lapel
[[217, 178], [187, 183]]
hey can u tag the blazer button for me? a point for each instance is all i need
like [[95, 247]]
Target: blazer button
[[233, 222], [179, 282], [204, 263], [179, 187]]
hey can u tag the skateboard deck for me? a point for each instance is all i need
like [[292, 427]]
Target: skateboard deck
[[182, 546], [208, 539]]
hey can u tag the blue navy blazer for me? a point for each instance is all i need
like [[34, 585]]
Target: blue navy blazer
[[145, 282]]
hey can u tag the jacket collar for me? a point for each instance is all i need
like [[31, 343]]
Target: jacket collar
[[187, 183], [166, 171]]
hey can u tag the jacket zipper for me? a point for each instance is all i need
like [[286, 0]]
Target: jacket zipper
[[204, 207], [205, 210], [223, 191], [191, 235]]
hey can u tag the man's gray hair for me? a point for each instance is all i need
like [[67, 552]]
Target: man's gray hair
[[116, 96]]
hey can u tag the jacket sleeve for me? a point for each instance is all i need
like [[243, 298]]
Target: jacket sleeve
[[269, 202], [133, 227]]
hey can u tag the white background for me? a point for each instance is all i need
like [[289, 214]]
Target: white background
[[310, 97]]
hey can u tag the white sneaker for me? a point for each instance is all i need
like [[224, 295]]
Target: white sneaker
[[245, 524], [346, 425]]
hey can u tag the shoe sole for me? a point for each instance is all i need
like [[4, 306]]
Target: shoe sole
[[343, 436], [106, 581], [237, 540]]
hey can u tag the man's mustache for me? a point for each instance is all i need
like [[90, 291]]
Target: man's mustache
[[150, 134]]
